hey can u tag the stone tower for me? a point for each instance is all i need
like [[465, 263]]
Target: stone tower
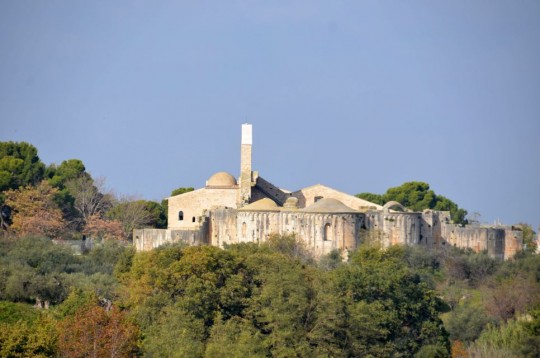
[[246, 176]]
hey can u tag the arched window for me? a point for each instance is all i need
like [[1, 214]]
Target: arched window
[[193, 219], [244, 229], [180, 216], [327, 235]]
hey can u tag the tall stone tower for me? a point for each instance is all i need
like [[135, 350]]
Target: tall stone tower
[[246, 176]]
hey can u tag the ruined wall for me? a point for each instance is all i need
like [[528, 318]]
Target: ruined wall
[[431, 227], [395, 228], [320, 232], [222, 226], [434, 229], [148, 239], [324, 232], [499, 242], [513, 242], [265, 189], [476, 238]]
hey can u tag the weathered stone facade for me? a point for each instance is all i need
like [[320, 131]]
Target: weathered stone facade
[[227, 211]]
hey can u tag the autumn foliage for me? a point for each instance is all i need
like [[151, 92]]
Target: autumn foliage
[[35, 212], [95, 332], [100, 228]]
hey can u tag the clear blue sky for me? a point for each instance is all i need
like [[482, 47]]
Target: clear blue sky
[[357, 95]]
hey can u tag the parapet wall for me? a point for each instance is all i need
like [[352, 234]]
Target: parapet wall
[[395, 227], [323, 232], [148, 239], [434, 229]]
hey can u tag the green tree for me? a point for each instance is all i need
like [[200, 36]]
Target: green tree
[[158, 214], [466, 323], [22, 339], [373, 198], [181, 190], [381, 276], [418, 196], [19, 165], [529, 237], [68, 170], [176, 333], [235, 337]]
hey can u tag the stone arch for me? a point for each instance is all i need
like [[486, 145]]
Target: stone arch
[[327, 232]]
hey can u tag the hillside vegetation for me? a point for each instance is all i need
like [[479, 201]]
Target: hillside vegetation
[[270, 300], [246, 300]]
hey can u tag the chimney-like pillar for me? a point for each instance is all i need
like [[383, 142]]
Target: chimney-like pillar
[[246, 177]]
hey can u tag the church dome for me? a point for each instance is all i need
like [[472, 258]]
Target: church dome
[[264, 204], [329, 205], [221, 179]]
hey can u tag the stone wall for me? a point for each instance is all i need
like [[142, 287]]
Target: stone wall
[[148, 239], [222, 226], [265, 189], [396, 227], [434, 229], [324, 232], [320, 232], [307, 196], [195, 203]]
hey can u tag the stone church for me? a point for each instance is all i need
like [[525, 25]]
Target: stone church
[[228, 210]]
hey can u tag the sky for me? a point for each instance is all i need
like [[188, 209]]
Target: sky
[[357, 95]]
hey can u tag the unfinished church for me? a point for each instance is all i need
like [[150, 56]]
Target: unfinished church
[[249, 209]]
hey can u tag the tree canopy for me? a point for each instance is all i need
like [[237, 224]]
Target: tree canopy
[[19, 165], [417, 196]]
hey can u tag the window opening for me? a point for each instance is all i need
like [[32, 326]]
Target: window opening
[[327, 235]]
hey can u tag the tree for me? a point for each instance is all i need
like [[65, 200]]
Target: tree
[[35, 212], [418, 196], [373, 198], [67, 170], [411, 309], [131, 214], [511, 296], [89, 195], [104, 229], [181, 190], [22, 339], [58, 176], [529, 237], [94, 332], [158, 214], [235, 337], [19, 165], [466, 323], [176, 333]]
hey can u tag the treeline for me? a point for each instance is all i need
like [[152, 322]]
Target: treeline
[[417, 196], [265, 300], [251, 300], [64, 201]]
